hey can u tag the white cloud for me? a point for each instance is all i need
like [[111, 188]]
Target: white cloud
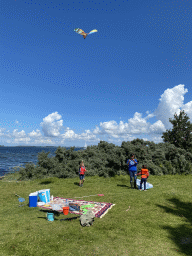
[[96, 130], [50, 126], [19, 137], [106, 128], [35, 134], [135, 125], [157, 127], [24, 140], [171, 102], [70, 134], [88, 135], [188, 109], [17, 134], [123, 128], [2, 130], [149, 115], [44, 141]]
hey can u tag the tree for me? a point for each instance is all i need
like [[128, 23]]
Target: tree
[[181, 133]]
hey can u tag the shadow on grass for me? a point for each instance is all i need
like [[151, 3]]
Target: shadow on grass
[[23, 205], [45, 182], [123, 186], [46, 218], [182, 234], [76, 183], [51, 211]]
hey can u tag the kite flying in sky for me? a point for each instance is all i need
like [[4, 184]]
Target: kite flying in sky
[[81, 32]]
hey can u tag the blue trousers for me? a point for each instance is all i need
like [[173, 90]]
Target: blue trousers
[[143, 180], [133, 174]]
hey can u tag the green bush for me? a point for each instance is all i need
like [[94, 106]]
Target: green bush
[[169, 169], [108, 160], [28, 172], [91, 172], [184, 166], [188, 168]]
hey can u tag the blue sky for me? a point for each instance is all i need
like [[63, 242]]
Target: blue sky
[[121, 83]]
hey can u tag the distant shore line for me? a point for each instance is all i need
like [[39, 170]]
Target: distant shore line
[[38, 146]]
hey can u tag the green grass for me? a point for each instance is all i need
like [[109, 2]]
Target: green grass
[[158, 222]]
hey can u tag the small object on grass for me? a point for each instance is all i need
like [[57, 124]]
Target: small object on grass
[[20, 198], [22, 204], [128, 208], [50, 216], [87, 219]]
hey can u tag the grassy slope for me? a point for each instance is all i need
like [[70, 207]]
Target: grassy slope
[[158, 222]]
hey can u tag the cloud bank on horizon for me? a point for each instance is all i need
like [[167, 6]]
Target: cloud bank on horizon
[[54, 132]]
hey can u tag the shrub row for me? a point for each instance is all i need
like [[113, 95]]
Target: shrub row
[[107, 159]]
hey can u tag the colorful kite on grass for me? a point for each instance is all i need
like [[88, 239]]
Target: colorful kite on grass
[[81, 32]]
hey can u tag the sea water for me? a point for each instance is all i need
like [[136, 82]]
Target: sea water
[[19, 156]]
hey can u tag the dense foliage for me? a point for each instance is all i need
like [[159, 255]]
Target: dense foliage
[[108, 160], [174, 156], [181, 133]]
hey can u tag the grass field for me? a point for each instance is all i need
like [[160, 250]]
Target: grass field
[[159, 221]]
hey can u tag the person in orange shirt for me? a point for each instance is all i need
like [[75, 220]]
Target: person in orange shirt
[[144, 175], [82, 171]]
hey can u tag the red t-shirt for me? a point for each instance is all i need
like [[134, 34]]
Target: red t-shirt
[[82, 170]]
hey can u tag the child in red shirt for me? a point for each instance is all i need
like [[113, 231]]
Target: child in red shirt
[[144, 175], [82, 171]]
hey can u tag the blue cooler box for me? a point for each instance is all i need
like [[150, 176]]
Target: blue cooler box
[[33, 199]]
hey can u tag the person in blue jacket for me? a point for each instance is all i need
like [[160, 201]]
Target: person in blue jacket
[[132, 165]]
